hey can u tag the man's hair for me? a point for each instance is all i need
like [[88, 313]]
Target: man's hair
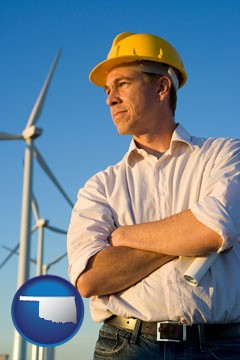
[[172, 95]]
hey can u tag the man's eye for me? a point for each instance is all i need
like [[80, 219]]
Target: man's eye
[[123, 83], [107, 91]]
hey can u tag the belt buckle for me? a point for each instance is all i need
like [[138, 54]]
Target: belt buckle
[[183, 335]]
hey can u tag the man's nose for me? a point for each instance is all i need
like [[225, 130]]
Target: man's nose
[[113, 98]]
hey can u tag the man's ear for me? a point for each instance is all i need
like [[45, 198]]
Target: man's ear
[[164, 86]]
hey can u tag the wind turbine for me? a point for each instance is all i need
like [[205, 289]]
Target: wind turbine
[[45, 267], [29, 134], [40, 225], [40, 353]]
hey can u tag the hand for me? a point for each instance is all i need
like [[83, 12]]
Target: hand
[[117, 237]]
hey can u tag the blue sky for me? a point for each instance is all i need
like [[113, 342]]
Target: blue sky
[[78, 137]]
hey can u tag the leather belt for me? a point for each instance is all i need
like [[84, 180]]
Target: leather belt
[[171, 331]]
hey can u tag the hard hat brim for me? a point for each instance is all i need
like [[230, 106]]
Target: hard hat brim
[[99, 73]]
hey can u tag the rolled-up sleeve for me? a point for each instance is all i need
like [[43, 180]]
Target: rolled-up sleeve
[[219, 205], [90, 226]]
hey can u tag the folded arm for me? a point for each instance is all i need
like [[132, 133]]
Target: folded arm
[[138, 250], [178, 235], [114, 269]]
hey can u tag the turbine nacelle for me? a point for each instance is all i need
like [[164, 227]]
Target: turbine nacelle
[[42, 223], [31, 132]]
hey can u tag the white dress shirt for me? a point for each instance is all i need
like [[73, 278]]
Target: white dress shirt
[[194, 173]]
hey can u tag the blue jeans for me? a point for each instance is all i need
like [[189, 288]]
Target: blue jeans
[[118, 344]]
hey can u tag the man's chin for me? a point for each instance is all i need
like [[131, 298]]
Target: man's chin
[[124, 132]]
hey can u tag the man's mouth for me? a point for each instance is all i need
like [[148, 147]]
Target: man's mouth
[[118, 114]]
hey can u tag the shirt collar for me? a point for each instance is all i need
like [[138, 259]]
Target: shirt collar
[[180, 135]]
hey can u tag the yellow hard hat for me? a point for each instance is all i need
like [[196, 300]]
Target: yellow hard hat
[[129, 47]]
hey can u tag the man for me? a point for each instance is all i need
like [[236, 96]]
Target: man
[[138, 225]]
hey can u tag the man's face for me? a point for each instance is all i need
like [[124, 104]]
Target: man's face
[[133, 101]]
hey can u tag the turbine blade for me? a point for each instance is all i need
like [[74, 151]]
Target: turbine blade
[[47, 170], [34, 228], [35, 208], [7, 136], [17, 253], [55, 229], [37, 109], [9, 249], [13, 251], [56, 260]]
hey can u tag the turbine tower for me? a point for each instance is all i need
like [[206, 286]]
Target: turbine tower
[[29, 134]]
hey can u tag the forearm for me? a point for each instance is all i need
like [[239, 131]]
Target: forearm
[[180, 235], [116, 268]]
